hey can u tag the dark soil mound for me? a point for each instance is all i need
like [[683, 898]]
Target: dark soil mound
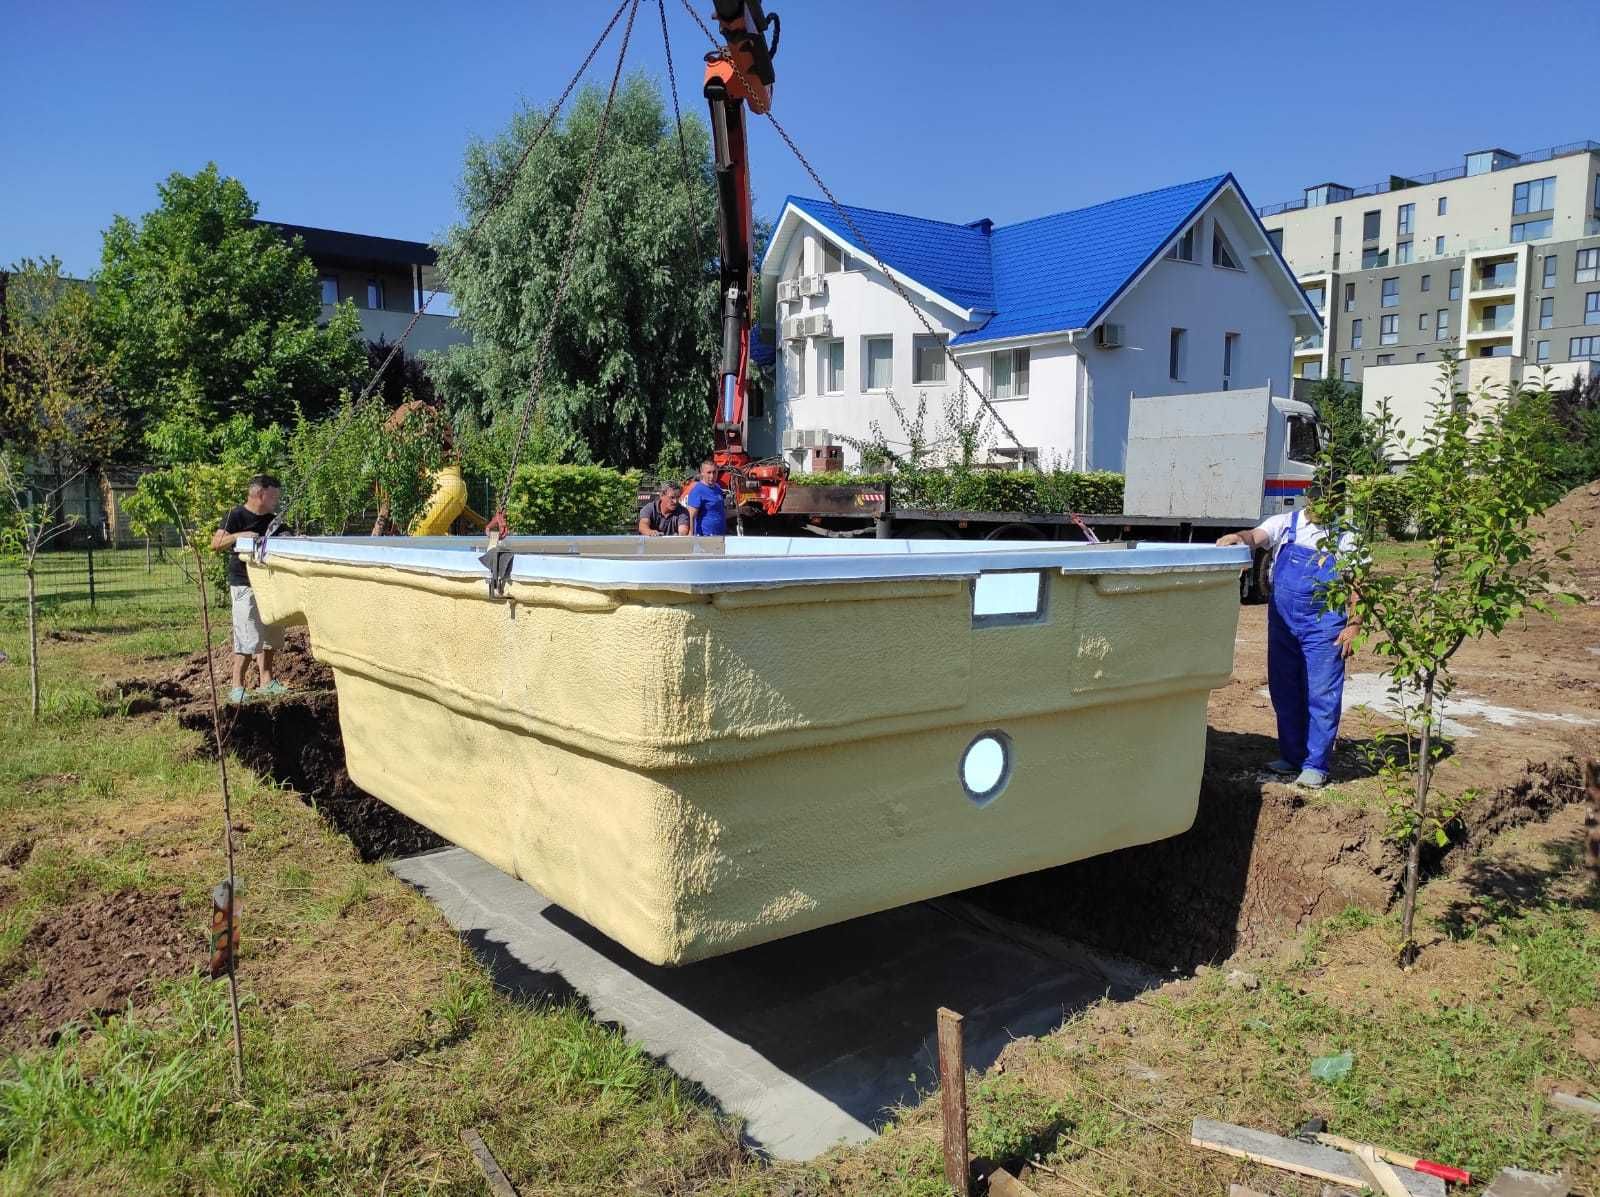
[[1574, 524], [94, 958]]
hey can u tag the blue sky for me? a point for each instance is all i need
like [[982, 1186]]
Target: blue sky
[[354, 115]]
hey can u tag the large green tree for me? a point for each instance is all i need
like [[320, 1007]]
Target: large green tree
[[634, 344], [211, 315]]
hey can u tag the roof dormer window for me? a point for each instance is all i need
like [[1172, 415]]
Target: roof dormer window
[[1183, 248]]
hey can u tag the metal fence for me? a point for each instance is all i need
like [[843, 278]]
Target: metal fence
[[95, 576]]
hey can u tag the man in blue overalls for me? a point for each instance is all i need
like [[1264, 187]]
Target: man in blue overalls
[[1306, 642]]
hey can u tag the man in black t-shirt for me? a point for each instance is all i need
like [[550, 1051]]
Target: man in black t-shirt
[[664, 515], [251, 636]]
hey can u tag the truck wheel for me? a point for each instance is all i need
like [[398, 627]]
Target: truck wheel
[[1014, 532], [926, 532], [1255, 583]]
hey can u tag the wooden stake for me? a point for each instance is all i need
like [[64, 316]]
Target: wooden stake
[[953, 1101], [499, 1184], [1003, 1184]]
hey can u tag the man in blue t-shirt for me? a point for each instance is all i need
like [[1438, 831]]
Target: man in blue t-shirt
[[704, 502]]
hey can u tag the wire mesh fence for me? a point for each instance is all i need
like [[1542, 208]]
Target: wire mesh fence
[[94, 576]]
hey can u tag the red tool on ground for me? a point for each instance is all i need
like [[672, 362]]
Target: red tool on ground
[[1317, 1131]]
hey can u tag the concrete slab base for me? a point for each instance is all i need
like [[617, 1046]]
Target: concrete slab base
[[810, 1039]]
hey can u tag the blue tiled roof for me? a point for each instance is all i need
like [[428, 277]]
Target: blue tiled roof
[[1046, 275]]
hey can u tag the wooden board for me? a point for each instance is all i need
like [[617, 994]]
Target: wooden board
[[953, 1101], [1292, 1155], [499, 1184]]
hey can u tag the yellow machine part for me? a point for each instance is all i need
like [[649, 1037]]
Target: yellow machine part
[[449, 503]]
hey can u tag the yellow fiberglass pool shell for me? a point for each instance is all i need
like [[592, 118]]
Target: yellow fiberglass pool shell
[[700, 744]]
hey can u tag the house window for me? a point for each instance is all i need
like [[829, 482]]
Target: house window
[[1230, 357], [1276, 237], [1532, 230], [1455, 284], [1389, 330], [1177, 353], [330, 288], [1010, 370], [1386, 359], [833, 369], [1547, 312], [1591, 308], [1336, 259], [1372, 259], [1338, 225], [1391, 292], [375, 294], [1542, 352], [1221, 255], [1587, 269], [1349, 297], [1597, 193], [1355, 334], [1427, 283], [1406, 215], [927, 361], [1549, 270], [880, 363], [1183, 248], [1422, 357], [1371, 225], [832, 258], [1344, 369], [1536, 195], [1422, 322], [1441, 325], [1444, 205], [1584, 347], [797, 370], [1402, 253], [1438, 246]]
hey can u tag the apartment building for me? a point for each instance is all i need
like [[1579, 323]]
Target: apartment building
[[387, 279], [1497, 257], [1060, 320]]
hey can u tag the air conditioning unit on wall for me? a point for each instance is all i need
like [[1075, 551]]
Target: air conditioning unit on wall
[[1108, 336], [813, 284], [788, 290], [791, 329], [805, 438], [815, 325]]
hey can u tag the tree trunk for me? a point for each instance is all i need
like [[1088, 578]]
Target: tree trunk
[[1408, 946], [33, 640]]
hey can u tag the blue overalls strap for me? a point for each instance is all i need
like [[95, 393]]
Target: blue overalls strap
[[1294, 520]]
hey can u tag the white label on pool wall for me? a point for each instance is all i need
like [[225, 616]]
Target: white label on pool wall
[[986, 766], [1007, 597]]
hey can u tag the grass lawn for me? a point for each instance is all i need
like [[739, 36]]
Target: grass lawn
[[373, 1038]]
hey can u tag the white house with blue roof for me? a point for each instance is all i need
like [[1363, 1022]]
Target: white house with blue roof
[[1058, 320]]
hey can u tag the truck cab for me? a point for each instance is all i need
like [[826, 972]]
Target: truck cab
[[1293, 442]]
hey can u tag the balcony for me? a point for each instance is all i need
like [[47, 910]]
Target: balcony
[[429, 332], [1307, 344], [1501, 278], [1491, 325]]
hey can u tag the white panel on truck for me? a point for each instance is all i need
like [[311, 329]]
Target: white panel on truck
[[1198, 457]]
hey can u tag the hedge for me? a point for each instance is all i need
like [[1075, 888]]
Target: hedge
[[1057, 492], [569, 500]]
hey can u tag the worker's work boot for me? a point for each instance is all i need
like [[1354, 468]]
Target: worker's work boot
[[236, 695], [1283, 768], [1311, 779]]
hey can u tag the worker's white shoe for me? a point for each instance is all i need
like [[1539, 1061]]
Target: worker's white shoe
[[1312, 779]]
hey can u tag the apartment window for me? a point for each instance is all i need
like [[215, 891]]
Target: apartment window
[[1276, 237], [1389, 330], [1221, 255], [1547, 312], [1542, 352], [927, 361], [1230, 357], [1438, 246], [832, 258], [1391, 293], [1386, 359], [1501, 350], [1584, 347], [1549, 270], [330, 288], [1422, 322], [797, 370], [1422, 357], [1536, 195], [1444, 205], [1355, 334], [1591, 308], [1587, 269], [1316, 295], [1533, 230], [1338, 225], [1372, 259], [1177, 353], [1402, 253], [1597, 193], [880, 363], [1344, 369], [1009, 369], [1371, 225], [1349, 297], [375, 294], [1183, 248], [1441, 325], [1336, 259], [1406, 216], [1455, 284], [1311, 370], [833, 371]]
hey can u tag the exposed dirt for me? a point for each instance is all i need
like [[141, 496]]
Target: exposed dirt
[[293, 739], [93, 958], [1574, 524]]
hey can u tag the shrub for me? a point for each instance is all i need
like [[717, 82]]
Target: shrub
[[1055, 492], [1391, 505], [1092, 492], [566, 500]]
